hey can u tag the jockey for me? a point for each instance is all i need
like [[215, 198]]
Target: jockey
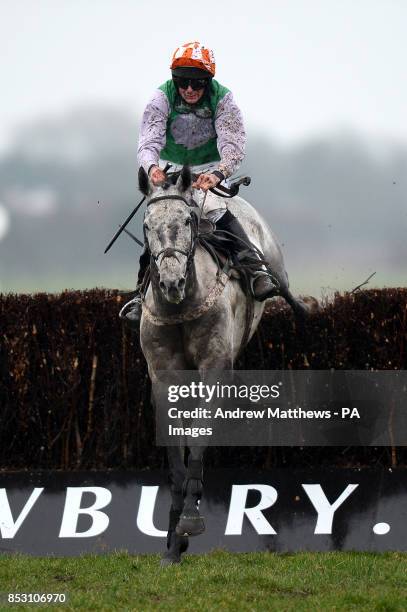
[[193, 120]]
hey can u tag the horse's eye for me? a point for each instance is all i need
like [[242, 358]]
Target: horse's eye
[[188, 221], [146, 227]]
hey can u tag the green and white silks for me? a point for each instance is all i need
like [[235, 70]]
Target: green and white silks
[[210, 132]]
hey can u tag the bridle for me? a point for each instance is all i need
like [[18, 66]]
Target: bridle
[[171, 251]]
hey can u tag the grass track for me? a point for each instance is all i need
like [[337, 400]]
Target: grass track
[[218, 581]]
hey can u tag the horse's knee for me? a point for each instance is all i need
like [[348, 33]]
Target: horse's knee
[[223, 363]]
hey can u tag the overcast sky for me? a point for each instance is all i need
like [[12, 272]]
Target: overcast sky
[[296, 67]]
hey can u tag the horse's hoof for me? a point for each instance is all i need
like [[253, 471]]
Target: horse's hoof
[[309, 305], [190, 524], [166, 561]]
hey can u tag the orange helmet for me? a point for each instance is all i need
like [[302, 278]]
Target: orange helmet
[[194, 55]]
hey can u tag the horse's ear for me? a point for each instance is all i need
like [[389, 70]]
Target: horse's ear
[[143, 182], [185, 179]]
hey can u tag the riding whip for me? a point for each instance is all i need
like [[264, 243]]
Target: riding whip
[[121, 228], [129, 218]]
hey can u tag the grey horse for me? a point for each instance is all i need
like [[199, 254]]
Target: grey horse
[[194, 319]]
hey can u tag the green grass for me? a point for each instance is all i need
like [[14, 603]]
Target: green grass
[[218, 581]]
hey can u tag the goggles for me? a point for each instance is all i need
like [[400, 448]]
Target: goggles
[[196, 84]]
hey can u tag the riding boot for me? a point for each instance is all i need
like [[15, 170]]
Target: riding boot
[[264, 284], [131, 311]]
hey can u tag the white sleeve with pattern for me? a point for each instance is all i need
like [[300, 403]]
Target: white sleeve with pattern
[[231, 135], [152, 131]]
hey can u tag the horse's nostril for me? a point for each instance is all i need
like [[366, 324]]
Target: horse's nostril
[[162, 285], [181, 283]]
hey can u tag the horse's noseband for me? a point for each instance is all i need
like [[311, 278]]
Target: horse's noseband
[[171, 251]]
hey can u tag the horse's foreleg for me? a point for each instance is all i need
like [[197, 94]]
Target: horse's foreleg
[[176, 544], [190, 522], [164, 351], [299, 308], [211, 346]]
